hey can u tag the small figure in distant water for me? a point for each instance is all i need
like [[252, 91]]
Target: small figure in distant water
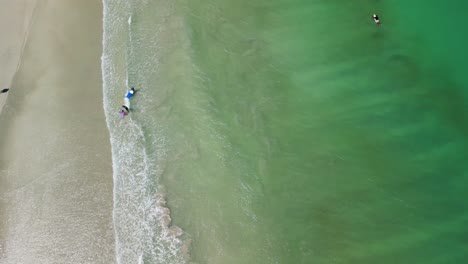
[[376, 19], [5, 90]]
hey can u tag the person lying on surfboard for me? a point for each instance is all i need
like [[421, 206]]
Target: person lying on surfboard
[[126, 106]]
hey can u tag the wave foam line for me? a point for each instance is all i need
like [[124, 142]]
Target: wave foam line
[[141, 219]]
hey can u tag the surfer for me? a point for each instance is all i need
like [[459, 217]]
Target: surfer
[[4, 90], [126, 106], [376, 19]]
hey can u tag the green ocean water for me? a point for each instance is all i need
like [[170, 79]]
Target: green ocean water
[[300, 132]]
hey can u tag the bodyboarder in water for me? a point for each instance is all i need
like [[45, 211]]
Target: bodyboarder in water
[[376, 19], [126, 106]]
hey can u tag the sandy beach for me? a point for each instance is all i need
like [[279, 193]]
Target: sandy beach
[[15, 20], [55, 159]]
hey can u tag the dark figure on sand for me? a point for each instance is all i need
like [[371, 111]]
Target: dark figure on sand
[[4, 90], [376, 19]]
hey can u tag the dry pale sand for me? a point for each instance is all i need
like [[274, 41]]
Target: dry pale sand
[[55, 159]]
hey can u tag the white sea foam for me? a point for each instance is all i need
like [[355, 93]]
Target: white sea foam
[[141, 219]]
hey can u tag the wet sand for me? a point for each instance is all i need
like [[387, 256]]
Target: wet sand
[[55, 159]]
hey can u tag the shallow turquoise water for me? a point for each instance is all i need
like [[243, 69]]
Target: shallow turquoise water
[[299, 132]]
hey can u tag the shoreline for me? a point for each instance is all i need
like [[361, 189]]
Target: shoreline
[[55, 157]]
